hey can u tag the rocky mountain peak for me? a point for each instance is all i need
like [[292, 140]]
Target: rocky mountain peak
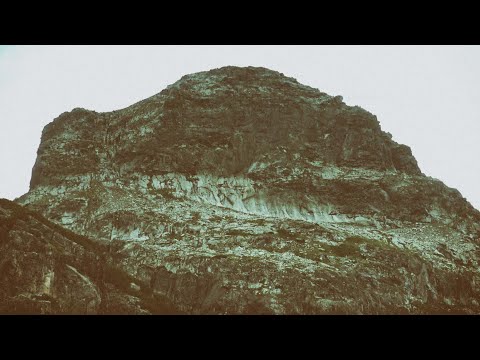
[[222, 121], [236, 76], [241, 190]]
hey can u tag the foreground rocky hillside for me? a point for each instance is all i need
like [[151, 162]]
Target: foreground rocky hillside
[[239, 190], [46, 269]]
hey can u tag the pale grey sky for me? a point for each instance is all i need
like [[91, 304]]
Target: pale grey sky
[[428, 97]]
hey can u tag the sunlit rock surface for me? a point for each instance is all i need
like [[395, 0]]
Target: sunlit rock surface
[[240, 190]]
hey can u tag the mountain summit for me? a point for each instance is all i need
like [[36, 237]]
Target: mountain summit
[[240, 190]]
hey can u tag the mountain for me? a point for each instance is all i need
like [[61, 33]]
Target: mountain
[[240, 190]]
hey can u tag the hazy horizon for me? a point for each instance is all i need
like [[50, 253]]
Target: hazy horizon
[[427, 97]]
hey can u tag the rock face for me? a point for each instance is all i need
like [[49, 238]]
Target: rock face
[[239, 190]]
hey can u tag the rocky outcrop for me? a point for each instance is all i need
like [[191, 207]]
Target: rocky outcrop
[[240, 190]]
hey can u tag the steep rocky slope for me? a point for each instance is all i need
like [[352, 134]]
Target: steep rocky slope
[[46, 269], [239, 190]]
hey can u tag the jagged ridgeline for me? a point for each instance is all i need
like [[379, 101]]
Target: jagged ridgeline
[[240, 190]]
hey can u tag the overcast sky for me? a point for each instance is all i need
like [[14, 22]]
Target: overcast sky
[[428, 97]]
